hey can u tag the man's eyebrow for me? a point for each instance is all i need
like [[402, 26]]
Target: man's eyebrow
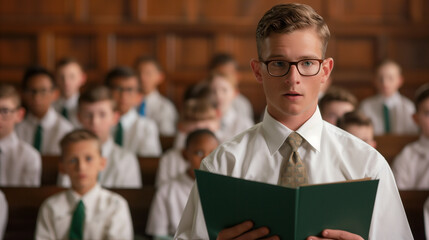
[[297, 59]]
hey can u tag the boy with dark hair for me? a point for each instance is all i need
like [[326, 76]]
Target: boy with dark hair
[[43, 127], [70, 77], [226, 64], [359, 125], [410, 166], [335, 103], [96, 113], [86, 211], [133, 132], [291, 66], [20, 163], [153, 105]]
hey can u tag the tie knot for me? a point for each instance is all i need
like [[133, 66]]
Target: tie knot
[[294, 140]]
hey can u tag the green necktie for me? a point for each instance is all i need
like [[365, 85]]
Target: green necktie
[[386, 119], [65, 113], [37, 143], [119, 134], [78, 222]]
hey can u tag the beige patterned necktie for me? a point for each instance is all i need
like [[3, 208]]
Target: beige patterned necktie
[[294, 173]]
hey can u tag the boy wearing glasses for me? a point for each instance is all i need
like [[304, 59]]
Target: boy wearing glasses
[[291, 42], [43, 127], [20, 163], [133, 132]]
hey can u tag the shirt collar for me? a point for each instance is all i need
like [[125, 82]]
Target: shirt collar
[[71, 102], [275, 133], [107, 147], [8, 142], [47, 121], [89, 200], [392, 100], [129, 118], [153, 95]]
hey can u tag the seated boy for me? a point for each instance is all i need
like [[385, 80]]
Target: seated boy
[[223, 92], [70, 77], [170, 198], [3, 214], [43, 127], [197, 114], [20, 163], [390, 112], [411, 166], [226, 64], [155, 106], [133, 132], [359, 125], [86, 211], [335, 102], [96, 114]]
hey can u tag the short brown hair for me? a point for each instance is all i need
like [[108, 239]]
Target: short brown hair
[[68, 60], [228, 78], [95, 94], [9, 91], [422, 94], [147, 59], [286, 18], [337, 94], [78, 135], [198, 110], [121, 72], [354, 118]]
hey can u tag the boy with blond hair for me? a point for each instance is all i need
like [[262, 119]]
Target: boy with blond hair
[[390, 112], [291, 66], [42, 127], [153, 105], [411, 165], [335, 103], [96, 112], [133, 132], [20, 163], [70, 77], [85, 211]]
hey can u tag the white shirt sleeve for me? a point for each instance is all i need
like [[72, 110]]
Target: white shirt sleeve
[[45, 227]]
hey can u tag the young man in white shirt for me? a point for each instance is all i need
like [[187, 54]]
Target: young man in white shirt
[[411, 165], [3, 214], [170, 198], [96, 112], [133, 132], [70, 77], [43, 127], [390, 112], [291, 42], [86, 211], [20, 163], [153, 105]]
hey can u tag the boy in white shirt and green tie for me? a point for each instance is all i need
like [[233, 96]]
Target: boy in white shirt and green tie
[[86, 211]]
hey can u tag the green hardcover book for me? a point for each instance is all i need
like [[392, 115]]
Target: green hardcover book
[[290, 213]]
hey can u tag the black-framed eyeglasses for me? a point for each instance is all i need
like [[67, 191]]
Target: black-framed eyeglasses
[[305, 67]]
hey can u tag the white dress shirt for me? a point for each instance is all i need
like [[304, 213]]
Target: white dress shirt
[[140, 135], [171, 165], [3, 214], [20, 163], [242, 106], [232, 124], [71, 105], [163, 112], [330, 155], [122, 169], [54, 128], [167, 206], [107, 215], [411, 166], [401, 110]]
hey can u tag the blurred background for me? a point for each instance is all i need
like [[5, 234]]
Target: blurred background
[[184, 34]]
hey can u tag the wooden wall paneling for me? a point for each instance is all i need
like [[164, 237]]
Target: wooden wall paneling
[[417, 8], [112, 11], [31, 11], [130, 47], [45, 47], [81, 47], [355, 53], [166, 11]]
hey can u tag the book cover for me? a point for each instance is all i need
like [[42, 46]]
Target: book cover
[[290, 213]]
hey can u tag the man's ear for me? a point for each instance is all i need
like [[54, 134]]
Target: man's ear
[[256, 68], [327, 67]]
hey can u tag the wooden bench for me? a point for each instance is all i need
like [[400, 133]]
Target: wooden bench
[[391, 145], [148, 168], [167, 142], [413, 202], [24, 204]]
